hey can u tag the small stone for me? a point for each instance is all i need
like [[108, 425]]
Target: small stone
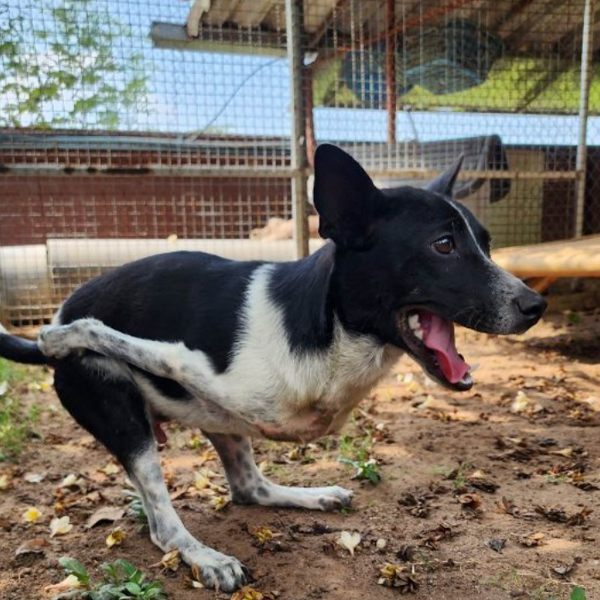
[[381, 544]]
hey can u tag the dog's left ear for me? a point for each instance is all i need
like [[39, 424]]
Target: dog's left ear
[[345, 198], [443, 184]]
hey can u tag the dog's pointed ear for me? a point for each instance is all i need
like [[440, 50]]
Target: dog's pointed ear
[[345, 198], [444, 183]]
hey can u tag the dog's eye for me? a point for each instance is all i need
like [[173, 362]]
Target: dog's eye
[[444, 245]]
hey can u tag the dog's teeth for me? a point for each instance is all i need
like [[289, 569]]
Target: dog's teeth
[[474, 367], [413, 321], [418, 334]]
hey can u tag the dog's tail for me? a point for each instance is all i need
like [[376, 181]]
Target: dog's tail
[[20, 350]]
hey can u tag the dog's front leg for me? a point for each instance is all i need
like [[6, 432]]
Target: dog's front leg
[[167, 531], [165, 359], [249, 486]]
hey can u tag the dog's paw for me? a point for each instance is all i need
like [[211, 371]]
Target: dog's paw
[[58, 341], [219, 571], [335, 498], [323, 498], [52, 341]]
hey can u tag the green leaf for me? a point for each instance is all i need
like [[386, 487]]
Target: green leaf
[[128, 569], [578, 593], [133, 588], [73, 567]]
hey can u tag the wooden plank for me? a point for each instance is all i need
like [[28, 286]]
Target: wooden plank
[[569, 258]]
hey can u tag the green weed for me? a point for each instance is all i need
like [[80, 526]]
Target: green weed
[[459, 476], [16, 421], [121, 581], [136, 508], [356, 452]]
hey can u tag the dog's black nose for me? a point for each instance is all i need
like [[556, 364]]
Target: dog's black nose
[[531, 304]]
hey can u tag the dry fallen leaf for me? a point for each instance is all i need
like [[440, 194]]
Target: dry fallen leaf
[[555, 514], [566, 452], [171, 560], [110, 469], [262, 534], [4, 482], [564, 569], [70, 583], [32, 515], [34, 546], [398, 576], [520, 403], [558, 515], [581, 517], [507, 507], [115, 538], [349, 540], [523, 404], [248, 593], [219, 502], [471, 501], [532, 540], [201, 481], [207, 455], [46, 386], [406, 552], [106, 513], [34, 477], [69, 481], [60, 526]]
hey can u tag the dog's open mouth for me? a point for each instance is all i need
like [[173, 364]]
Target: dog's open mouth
[[430, 339]]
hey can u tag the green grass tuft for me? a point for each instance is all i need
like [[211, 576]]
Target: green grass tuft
[[16, 421]]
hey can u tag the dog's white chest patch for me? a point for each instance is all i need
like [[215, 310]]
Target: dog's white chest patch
[[289, 394]]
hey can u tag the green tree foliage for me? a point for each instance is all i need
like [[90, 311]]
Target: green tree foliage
[[67, 63]]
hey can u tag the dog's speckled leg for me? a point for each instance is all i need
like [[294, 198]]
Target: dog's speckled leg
[[167, 531], [190, 369], [250, 486]]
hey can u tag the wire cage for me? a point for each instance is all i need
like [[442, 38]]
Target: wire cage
[[129, 128]]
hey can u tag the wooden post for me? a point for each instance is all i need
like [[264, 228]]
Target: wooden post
[[584, 101], [390, 70], [311, 143], [294, 18]]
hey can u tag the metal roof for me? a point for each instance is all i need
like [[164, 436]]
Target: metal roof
[[523, 25]]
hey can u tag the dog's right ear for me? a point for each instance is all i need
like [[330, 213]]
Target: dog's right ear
[[444, 183], [345, 198]]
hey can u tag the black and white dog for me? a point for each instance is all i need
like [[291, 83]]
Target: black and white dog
[[280, 351]]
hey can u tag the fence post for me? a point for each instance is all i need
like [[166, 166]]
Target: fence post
[[294, 16], [584, 100], [390, 70]]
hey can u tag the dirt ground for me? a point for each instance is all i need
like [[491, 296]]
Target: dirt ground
[[489, 494]]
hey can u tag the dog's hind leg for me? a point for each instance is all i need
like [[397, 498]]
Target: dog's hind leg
[[249, 486], [114, 412], [191, 369]]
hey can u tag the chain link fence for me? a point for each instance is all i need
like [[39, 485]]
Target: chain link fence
[[129, 128]]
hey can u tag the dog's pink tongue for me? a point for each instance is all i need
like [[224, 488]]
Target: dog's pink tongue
[[438, 335]]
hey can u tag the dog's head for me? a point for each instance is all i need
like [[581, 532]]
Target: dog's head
[[411, 262]]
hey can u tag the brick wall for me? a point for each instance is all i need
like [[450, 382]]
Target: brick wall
[[35, 208]]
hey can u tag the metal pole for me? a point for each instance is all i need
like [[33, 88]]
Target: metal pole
[[584, 101], [390, 70], [294, 18]]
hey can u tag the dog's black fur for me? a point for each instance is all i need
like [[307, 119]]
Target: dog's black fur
[[392, 252]]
